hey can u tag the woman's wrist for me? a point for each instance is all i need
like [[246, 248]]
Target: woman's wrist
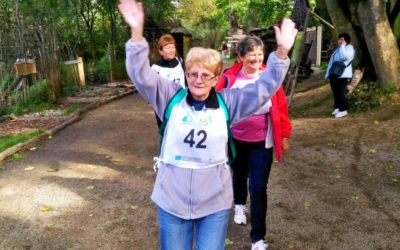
[[136, 35], [281, 53]]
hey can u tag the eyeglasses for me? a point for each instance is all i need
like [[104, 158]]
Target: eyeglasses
[[204, 77], [169, 47]]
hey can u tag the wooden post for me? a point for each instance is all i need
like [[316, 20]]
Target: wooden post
[[296, 70], [81, 71], [319, 46]]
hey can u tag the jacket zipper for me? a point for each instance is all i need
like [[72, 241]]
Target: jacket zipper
[[190, 194]]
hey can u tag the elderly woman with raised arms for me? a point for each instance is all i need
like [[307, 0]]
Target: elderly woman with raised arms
[[193, 187]]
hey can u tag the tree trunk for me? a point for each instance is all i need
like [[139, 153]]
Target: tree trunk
[[381, 43], [343, 25]]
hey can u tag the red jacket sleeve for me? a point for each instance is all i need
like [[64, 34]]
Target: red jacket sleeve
[[286, 125], [221, 83]]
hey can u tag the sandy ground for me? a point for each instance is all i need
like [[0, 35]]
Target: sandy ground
[[88, 187]]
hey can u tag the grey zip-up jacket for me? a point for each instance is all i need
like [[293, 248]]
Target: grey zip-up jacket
[[195, 193]]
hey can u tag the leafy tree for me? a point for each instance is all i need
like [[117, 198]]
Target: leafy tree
[[369, 24], [266, 12]]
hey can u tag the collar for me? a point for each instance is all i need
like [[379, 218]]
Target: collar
[[167, 63], [210, 102]]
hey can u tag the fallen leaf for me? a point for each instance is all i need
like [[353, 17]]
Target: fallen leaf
[[52, 169], [395, 180], [33, 148], [13, 117], [307, 205], [228, 241], [29, 168], [376, 122], [124, 218], [92, 167], [338, 176], [372, 151], [134, 207], [381, 206], [47, 209], [117, 161], [90, 187], [355, 198], [49, 137]]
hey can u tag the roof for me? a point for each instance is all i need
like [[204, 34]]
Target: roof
[[180, 30]]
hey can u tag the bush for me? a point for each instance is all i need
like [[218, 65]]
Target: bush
[[40, 92], [101, 70], [70, 89], [5, 80], [368, 96], [120, 70], [69, 74]]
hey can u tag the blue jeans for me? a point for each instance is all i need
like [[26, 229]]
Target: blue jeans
[[252, 161], [208, 232]]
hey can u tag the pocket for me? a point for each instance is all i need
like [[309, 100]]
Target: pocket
[[208, 185]]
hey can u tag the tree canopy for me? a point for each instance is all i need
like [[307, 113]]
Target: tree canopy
[[95, 30]]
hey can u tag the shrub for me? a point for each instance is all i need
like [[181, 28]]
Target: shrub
[[5, 80], [40, 92], [69, 74], [120, 70], [101, 70], [368, 96], [69, 89]]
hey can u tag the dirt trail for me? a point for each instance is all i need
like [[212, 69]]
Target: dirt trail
[[339, 188]]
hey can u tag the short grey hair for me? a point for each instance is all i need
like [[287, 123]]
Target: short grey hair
[[248, 44]]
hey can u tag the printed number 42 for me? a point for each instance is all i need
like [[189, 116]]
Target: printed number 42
[[189, 139]]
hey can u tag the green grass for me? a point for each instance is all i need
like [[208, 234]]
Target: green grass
[[20, 109], [17, 157], [72, 108], [8, 141], [303, 109]]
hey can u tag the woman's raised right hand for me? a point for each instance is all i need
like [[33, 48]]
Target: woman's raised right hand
[[133, 15]]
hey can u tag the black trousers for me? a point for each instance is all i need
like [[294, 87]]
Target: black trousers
[[339, 89], [253, 161]]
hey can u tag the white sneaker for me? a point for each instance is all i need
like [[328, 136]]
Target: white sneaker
[[335, 111], [240, 214], [341, 114], [259, 245]]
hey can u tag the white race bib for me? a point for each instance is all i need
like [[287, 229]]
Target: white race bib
[[195, 139]]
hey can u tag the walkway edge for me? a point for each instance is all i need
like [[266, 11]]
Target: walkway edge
[[74, 117]]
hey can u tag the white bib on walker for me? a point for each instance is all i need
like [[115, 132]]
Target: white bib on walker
[[195, 139], [175, 74]]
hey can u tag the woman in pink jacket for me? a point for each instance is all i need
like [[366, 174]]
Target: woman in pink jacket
[[254, 139]]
